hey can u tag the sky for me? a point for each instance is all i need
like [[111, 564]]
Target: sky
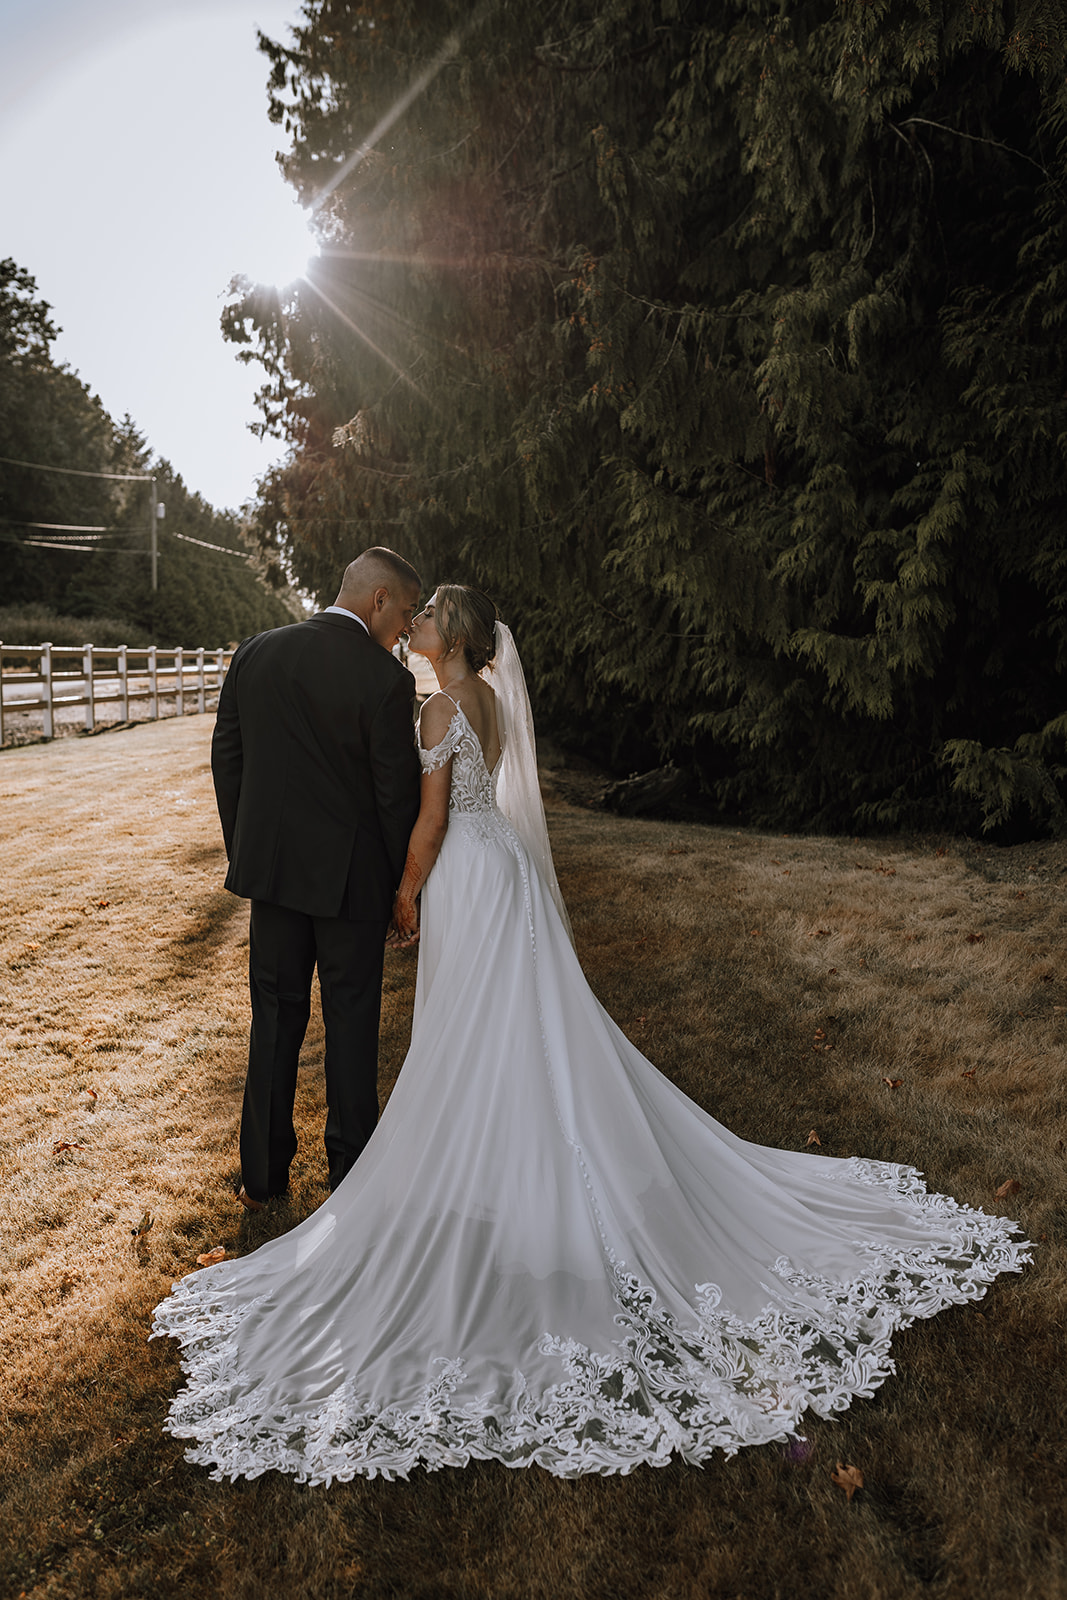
[[137, 176]]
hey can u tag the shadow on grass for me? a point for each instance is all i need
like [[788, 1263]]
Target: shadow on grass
[[960, 1451], [110, 1508]]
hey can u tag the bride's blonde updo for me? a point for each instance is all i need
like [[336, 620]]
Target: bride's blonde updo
[[466, 617]]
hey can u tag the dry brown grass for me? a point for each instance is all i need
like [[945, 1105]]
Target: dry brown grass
[[734, 960]]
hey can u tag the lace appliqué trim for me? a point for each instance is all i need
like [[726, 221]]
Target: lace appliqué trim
[[436, 757], [472, 795], [660, 1390]]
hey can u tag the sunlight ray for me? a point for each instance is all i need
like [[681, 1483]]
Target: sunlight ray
[[448, 50], [410, 258], [359, 332]]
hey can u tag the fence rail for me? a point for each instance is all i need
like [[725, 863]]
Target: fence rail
[[72, 676]]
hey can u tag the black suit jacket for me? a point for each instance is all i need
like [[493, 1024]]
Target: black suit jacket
[[315, 768]]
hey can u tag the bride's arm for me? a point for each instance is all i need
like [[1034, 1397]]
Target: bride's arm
[[431, 825]]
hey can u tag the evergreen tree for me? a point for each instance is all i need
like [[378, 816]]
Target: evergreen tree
[[48, 416], [720, 342]]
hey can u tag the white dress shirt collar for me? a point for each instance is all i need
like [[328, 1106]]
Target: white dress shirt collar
[[342, 611]]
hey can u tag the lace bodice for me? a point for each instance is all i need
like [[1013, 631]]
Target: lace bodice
[[473, 785]]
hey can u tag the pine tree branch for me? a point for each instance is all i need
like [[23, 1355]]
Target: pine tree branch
[[975, 139]]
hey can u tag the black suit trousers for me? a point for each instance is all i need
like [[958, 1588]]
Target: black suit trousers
[[284, 948]]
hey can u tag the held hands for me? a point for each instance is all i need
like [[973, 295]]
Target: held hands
[[404, 928]]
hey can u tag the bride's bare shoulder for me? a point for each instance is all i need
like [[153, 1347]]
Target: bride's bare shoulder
[[434, 719]]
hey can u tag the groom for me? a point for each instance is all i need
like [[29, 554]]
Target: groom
[[317, 782]]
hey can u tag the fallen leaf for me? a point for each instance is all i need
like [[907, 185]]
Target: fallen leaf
[[819, 1034], [813, 1138], [63, 1145], [833, 972], [887, 872], [969, 1073], [209, 1257], [975, 938], [1012, 1186], [142, 1227], [894, 1083], [848, 1478], [754, 933]]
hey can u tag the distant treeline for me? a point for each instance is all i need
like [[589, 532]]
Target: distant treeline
[[723, 344], [78, 545]]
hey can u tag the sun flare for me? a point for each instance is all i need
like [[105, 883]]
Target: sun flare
[[281, 247]]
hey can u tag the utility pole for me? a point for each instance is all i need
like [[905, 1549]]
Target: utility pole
[[154, 542]]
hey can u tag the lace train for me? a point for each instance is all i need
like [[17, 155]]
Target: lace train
[[661, 1390], [540, 1257]]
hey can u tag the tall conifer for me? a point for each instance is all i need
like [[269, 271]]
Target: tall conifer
[[721, 343]]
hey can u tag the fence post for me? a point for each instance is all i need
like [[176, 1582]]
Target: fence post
[[199, 679], [2, 692], [46, 677], [90, 708], [124, 681], [153, 684], [179, 669], [220, 669]]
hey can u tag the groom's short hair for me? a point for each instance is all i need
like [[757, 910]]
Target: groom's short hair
[[374, 564]]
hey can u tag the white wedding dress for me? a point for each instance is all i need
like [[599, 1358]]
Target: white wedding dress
[[547, 1253]]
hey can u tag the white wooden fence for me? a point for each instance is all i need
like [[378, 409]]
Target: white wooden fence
[[92, 676]]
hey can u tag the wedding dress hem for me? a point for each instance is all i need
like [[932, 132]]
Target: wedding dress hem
[[661, 1391], [546, 1255]]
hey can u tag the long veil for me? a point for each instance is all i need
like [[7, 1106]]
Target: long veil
[[518, 791]]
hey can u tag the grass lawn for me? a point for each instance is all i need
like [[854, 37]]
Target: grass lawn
[[906, 1000]]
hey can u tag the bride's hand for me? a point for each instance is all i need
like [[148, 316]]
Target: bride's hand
[[405, 925], [404, 928]]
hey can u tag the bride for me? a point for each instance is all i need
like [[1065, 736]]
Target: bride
[[540, 1257]]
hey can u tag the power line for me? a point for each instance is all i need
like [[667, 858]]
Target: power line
[[96, 533], [222, 548], [60, 527], [78, 472], [83, 549]]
